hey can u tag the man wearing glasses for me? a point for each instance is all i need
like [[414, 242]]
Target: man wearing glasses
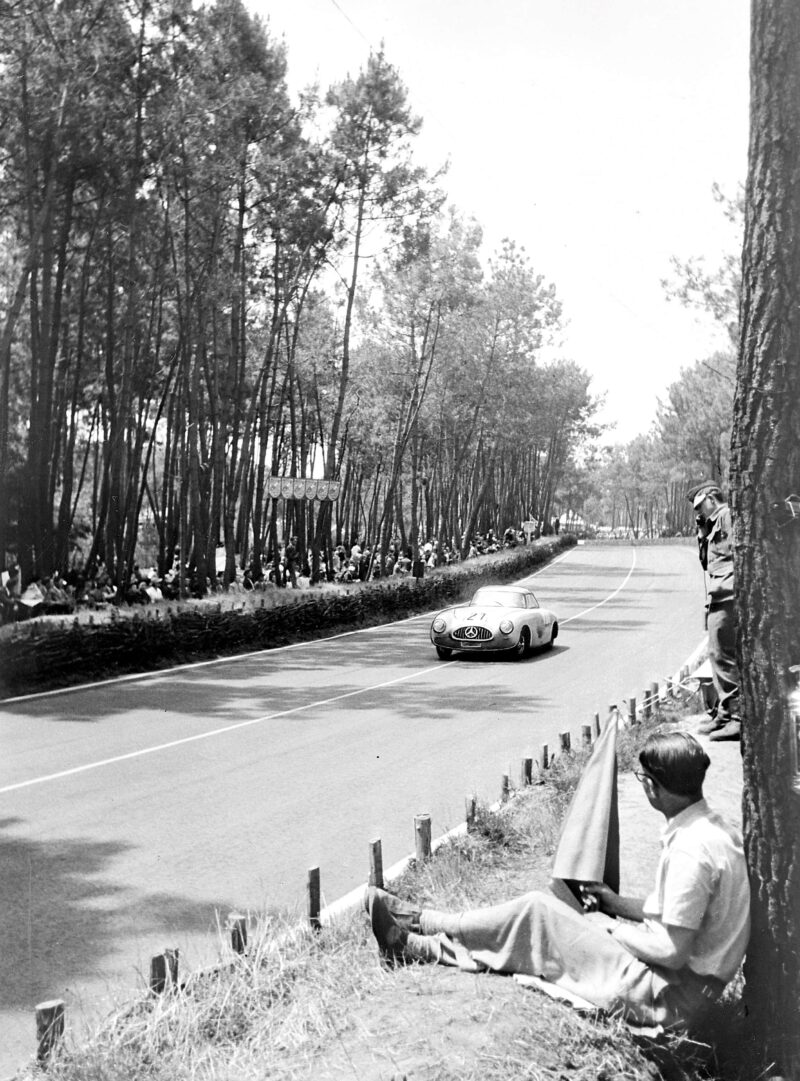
[[657, 962]]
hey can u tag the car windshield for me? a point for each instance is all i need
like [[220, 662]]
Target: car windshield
[[485, 598]]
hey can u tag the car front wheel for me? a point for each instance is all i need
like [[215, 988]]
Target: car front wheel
[[522, 648], [443, 654]]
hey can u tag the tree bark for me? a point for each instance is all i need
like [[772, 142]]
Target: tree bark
[[766, 469]]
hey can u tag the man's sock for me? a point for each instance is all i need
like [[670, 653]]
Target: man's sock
[[422, 947]]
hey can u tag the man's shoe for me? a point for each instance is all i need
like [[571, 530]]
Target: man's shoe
[[390, 936], [403, 913], [731, 732]]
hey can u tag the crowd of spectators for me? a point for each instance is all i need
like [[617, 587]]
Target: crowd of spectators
[[93, 587]]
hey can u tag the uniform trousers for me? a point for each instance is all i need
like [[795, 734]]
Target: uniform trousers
[[722, 655]]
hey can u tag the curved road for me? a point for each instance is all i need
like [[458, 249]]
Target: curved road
[[134, 811]]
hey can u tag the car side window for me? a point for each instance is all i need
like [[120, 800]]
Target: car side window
[[532, 602]]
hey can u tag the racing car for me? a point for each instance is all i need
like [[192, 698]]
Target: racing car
[[498, 619]]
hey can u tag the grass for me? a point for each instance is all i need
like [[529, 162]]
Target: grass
[[301, 1005]]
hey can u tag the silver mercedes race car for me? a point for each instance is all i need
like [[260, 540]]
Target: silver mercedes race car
[[498, 619]]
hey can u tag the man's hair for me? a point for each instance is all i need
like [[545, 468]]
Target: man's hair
[[677, 761]]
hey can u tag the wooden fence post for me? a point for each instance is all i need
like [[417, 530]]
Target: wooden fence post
[[526, 772], [164, 971], [471, 810], [376, 863], [422, 836], [645, 705], [586, 735], [314, 898], [49, 1029], [654, 695], [597, 726], [566, 742], [632, 709], [505, 788], [237, 925], [545, 756]]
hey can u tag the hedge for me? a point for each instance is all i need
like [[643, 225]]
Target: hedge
[[43, 655]]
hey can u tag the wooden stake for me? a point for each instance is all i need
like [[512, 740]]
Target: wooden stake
[[597, 726], [422, 836], [471, 807], [49, 1029], [645, 704], [632, 709], [164, 971], [526, 772], [505, 788], [545, 756], [376, 863], [654, 695], [566, 742], [314, 898], [237, 924], [586, 735]]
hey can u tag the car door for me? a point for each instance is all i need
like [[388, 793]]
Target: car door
[[535, 619]]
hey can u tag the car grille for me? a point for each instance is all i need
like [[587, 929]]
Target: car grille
[[472, 634]]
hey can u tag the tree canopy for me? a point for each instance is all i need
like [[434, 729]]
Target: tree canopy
[[205, 283]]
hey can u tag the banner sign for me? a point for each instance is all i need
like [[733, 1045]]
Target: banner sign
[[298, 488]]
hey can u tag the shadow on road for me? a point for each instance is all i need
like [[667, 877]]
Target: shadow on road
[[60, 915]]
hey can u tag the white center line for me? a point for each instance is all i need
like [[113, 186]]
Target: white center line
[[214, 732], [610, 597], [270, 716]]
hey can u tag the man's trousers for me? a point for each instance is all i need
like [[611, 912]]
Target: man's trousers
[[722, 655], [539, 935]]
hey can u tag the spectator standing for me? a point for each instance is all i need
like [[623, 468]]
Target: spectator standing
[[418, 566], [715, 545], [290, 560], [355, 558], [9, 604]]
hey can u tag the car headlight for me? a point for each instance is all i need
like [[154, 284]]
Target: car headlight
[[506, 626], [439, 625]]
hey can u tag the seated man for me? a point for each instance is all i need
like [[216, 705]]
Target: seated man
[[686, 939]]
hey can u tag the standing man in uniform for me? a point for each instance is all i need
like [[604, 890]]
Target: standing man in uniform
[[715, 542]]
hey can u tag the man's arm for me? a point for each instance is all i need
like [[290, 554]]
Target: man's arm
[[657, 943], [599, 896]]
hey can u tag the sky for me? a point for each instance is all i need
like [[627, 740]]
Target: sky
[[588, 131]]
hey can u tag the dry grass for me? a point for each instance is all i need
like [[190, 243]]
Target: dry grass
[[301, 1006]]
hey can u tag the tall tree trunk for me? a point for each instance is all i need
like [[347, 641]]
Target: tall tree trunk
[[766, 469]]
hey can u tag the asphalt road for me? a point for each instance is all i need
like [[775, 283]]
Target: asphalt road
[[135, 812]]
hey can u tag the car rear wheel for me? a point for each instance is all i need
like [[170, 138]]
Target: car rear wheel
[[553, 636], [522, 648], [443, 654]]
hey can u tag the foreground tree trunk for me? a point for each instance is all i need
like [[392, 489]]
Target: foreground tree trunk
[[765, 470]]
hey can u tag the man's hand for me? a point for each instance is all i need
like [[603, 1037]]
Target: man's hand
[[598, 897]]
